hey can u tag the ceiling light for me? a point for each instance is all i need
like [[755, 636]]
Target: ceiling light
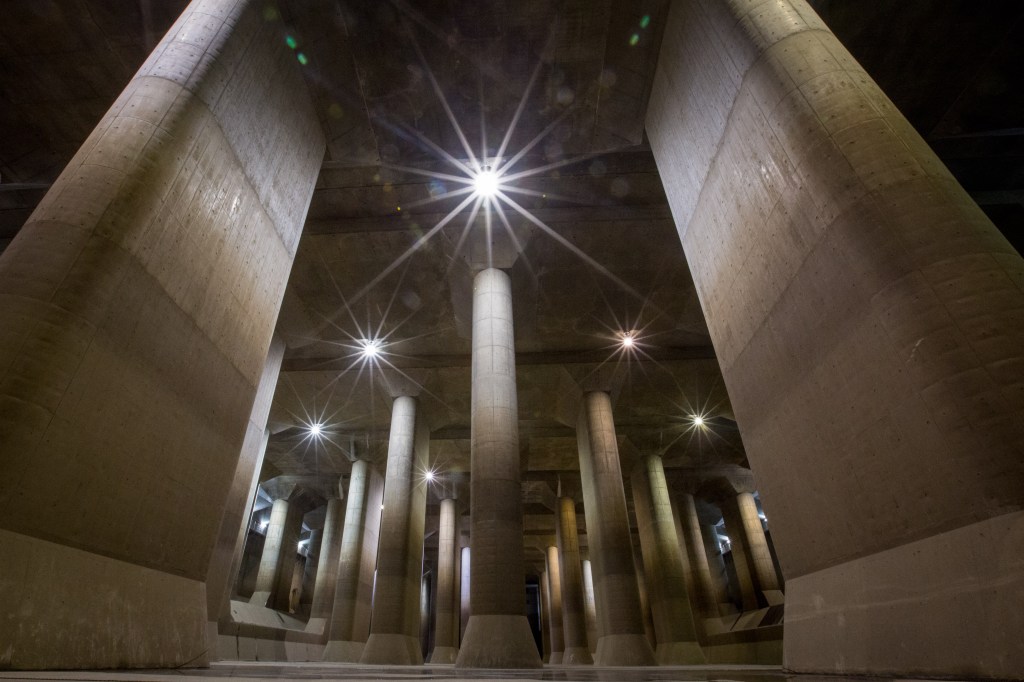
[[315, 430], [698, 420], [486, 182], [371, 348], [628, 341], [429, 475]]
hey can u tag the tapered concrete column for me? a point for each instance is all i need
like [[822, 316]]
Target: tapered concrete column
[[138, 304], [395, 624], [716, 564], [545, 616], [274, 579], [445, 645], [327, 571], [311, 566], [350, 617], [863, 311], [464, 594], [750, 549], [621, 639], [457, 587], [590, 605], [556, 636], [574, 619], [645, 602], [707, 600], [498, 634], [664, 567]]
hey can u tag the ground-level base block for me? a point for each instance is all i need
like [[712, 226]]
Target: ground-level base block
[[624, 650], [498, 641], [444, 654], [391, 649], [679, 653], [344, 652], [577, 656]]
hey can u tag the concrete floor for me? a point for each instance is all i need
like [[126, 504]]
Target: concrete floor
[[343, 671]]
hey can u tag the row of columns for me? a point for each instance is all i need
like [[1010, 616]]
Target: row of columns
[[368, 577]]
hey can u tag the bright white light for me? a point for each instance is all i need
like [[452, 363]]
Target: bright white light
[[486, 182], [429, 475], [263, 525], [315, 430], [628, 340], [698, 420], [371, 348]]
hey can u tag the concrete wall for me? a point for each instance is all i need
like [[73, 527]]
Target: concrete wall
[[138, 305], [867, 318]]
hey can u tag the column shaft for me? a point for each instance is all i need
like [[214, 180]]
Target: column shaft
[[395, 624], [350, 616], [750, 546], [556, 633], [274, 579], [327, 571], [663, 566], [706, 597], [445, 646], [591, 606], [621, 627], [574, 619], [545, 615], [498, 634]]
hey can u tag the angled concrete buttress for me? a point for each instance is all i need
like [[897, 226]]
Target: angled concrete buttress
[[858, 301], [139, 301]]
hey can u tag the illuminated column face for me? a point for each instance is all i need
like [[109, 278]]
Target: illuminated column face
[[621, 639], [498, 634], [274, 580], [555, 628], [395, 624], [665, 571], [750, 551], [574, 618], [445, 643]]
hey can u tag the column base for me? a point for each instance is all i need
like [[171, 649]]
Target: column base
[[444, 654], [624, 650], [577, 656], [343, 651], [556, 658], [679, 653], [260, 599], [390, 649], [498, 641]]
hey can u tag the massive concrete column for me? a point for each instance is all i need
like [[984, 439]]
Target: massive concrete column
[[750, 549], [445, 644], [621, 639], [590, 604], [574, 618], [464, 594], [457, 580], [707, 600], [716, 563], [350, 617], [274, 579], [860, 307], [545, 616], [327, 569], [498, 634], [556, 637], [311, 567], [395, 623], [663, 566], [138, 304]]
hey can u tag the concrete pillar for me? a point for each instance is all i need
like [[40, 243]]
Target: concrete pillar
[[498, 634], [226, 562], [274, 579], [574, 619], [311, 564], [457, 586], [706, 597], [716, 564], [590, 604], [545, 615], [621, 639], [446, 648], [663, 566], [464, 594], [327, 570], [556, 636], [750, 549], [138, 304], [645, 603], [858, 300], [395, 624], [350, 616]]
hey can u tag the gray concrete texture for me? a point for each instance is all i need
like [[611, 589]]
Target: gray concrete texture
[[834, 255], [150, 274], [574, 616], [445, 642]]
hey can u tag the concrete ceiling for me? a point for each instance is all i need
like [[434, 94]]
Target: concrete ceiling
[[388, 79]]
